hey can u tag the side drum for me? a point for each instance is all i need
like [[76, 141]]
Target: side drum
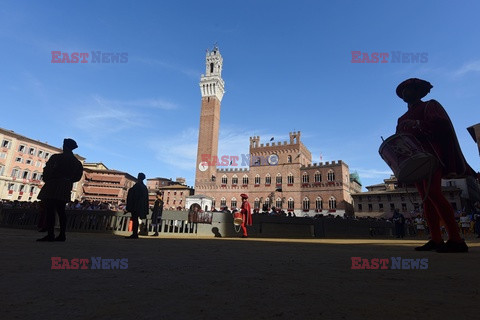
[[404, 154], [237, 218]]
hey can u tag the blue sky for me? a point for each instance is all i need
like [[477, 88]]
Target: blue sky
[[287, 66]]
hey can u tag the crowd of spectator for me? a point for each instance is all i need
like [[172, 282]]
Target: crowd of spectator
[[94, 205], [414, 225], [75, 205], [16, 204]]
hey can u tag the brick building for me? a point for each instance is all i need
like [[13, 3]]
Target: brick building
[[21, 166], [175, 192], [102, 184], [381, 199], [174, 196], [280, 175]]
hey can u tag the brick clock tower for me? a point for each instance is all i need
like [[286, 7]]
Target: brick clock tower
[[212, 88]]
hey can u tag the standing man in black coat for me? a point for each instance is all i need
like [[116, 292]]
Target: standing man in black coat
[[59, 174], [157, 211], [137, 203]]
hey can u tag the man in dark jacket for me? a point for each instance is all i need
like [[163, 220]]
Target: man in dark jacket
[[157, 212], [399, 222], [137, 203], [59, 174]]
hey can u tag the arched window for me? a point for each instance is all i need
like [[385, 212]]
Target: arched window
[[305, 178], [291, 204], [245, 179], [331, 176], [26, 174], [278, 203], [267, 203], [257, 179], [306, 204], [234, 179], [318, 177], [224, 179], [278, 179], [16, 173], [211, 67], [233, 203], [318, 203], [290, 179], [268, 179], [223, 202], [332, 203], [289, 159], [256, 203], [213, 203]]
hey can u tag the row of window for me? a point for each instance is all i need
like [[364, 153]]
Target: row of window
[[392, 207], [175, 193], [332, 203], [38, 164], [389, 197], [21, 188], [24, 149], [411, 197], [174, 201], [278, 179], [18, 174]]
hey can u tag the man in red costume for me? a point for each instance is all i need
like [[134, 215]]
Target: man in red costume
[[246, 213], [430, 124]]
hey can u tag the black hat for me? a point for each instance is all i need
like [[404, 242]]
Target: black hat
[[421, 86], [70, 144]]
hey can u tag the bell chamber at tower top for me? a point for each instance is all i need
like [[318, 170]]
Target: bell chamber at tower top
[[211, 83]]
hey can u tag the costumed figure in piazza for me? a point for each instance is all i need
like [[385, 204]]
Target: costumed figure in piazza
[[424, 150]]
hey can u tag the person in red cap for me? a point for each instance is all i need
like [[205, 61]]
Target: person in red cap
[[430, 124], [247, 214]]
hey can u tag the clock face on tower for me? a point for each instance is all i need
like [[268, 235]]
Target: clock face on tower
[[272, 159], [203, 166]]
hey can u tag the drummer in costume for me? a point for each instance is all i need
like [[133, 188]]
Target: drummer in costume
[[430, 124], [246, 213]]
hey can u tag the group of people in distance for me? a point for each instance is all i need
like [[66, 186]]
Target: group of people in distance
[[427, 121]]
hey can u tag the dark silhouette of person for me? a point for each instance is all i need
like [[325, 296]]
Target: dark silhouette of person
[[429, 123], [157, 211], [137, 203], [399, 222], [59, 174], [193, 213]]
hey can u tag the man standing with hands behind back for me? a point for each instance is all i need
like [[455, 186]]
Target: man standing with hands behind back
[[137, 203]]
